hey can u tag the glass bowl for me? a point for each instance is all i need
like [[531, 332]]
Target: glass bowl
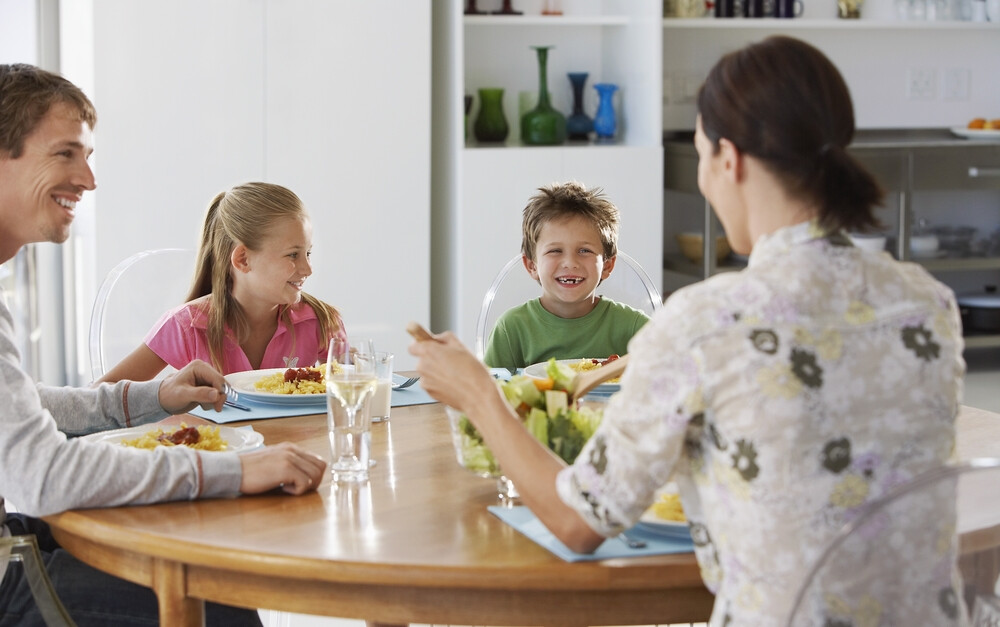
[[473, 455]]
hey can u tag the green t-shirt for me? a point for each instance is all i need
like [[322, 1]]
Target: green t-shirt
[[528, 334]]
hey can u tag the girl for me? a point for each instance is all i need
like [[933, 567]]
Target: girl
[[782, 399], [246, 308]]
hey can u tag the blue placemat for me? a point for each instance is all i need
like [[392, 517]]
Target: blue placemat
[[260, 411], [522, 519]]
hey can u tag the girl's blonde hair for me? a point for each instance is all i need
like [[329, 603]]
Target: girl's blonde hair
[[244, 215]]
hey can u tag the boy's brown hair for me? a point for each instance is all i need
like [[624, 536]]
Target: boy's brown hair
[[565, 200]]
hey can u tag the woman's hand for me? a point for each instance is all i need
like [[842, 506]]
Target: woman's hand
[[195, 384], [450, 373], [283, 465]]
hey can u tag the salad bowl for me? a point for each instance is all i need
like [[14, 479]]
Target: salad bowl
[[543, 407]]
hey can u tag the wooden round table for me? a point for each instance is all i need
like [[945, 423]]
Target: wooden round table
[[415, 544]]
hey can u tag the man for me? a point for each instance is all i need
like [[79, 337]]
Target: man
[[46, 138]]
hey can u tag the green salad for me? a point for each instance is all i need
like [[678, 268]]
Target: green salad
[[542, 405]]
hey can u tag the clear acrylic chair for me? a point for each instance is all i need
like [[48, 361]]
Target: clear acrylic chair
[[24, 549], [868, 573], [132, 297], [628, 284]]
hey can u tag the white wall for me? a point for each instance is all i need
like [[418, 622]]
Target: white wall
[[331, 99]]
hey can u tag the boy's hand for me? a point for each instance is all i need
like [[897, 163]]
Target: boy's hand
[[195, 384]]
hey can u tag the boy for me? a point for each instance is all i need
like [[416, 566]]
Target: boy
[[569, 245]]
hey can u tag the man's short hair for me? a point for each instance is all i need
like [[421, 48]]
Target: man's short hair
[[26, 95]]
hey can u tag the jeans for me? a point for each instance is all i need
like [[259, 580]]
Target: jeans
[[92, 598]]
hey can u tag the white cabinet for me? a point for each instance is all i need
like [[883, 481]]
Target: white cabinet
[[480, 190]]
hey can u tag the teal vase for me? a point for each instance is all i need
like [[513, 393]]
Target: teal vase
[[491, 123], [543, 125], [605, 124]]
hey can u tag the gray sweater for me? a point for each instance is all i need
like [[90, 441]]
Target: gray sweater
[[42, 472]]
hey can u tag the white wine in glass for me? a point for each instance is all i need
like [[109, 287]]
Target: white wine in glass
[[349, 386]]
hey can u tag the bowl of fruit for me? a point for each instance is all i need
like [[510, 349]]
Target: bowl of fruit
[[542, 406]]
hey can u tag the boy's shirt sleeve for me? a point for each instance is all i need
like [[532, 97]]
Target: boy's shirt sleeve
[[499, 353]]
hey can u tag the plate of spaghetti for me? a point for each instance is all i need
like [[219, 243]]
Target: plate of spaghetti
[[282, 386], [200, 437]]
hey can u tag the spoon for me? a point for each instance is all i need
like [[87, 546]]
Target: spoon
[[632, 543], [587, 380]]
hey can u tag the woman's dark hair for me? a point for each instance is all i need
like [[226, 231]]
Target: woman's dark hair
[[783, 102]]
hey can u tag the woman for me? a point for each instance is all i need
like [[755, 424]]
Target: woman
[[781, 399]]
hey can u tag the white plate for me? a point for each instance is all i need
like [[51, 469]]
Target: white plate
[[244, 382], [976, 133], [238, 439], [663, 528], [537, 371]]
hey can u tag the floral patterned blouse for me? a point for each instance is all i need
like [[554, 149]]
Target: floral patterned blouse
[[781, 400]]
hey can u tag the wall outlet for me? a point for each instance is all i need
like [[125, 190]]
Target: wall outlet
[[957, 83], [921, 84]]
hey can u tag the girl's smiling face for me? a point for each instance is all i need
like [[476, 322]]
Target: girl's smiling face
[[275, 274], [569, 263]]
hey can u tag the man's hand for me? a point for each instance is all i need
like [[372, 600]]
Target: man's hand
[[283, 465], [195, 384]]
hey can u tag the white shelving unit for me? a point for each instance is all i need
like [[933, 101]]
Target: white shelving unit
[[479, 190]]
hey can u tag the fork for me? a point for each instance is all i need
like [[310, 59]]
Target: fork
[[405, 384], [232, 396]]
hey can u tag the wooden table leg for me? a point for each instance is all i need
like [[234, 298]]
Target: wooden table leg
[[176, 608]]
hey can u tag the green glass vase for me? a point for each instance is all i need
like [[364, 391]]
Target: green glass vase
[[490, 124], [543, 125]]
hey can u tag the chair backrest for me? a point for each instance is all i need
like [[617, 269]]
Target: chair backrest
[[132, 298], [898, 554], [628, 284], [24, 549]]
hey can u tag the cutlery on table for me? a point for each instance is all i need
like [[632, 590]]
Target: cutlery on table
[[631, 542], [232, 396], [405, 384]]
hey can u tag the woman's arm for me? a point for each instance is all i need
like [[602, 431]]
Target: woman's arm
[[142, 364], [452, 375]]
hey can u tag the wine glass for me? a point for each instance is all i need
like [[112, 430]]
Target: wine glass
[[350, 382]]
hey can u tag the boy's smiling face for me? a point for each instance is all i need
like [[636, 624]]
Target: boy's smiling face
[[569, 263]]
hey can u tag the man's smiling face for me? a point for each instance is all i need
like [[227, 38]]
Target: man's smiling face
[[39, 190]]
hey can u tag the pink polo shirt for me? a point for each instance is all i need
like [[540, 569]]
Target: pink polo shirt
[[180, 336]]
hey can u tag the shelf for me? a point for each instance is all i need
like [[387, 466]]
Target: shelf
[[513, 144], [982, 341], [545, 20], [959, 264], [771, 23], [676, 262]]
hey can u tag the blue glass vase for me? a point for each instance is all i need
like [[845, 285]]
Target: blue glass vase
[[578, 124], [604, 122]]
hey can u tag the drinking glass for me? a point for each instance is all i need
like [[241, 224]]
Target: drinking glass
[[350, 382]]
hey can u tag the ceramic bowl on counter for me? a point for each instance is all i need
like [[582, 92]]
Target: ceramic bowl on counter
[[980, 310], [692, 244], [868, 241]]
